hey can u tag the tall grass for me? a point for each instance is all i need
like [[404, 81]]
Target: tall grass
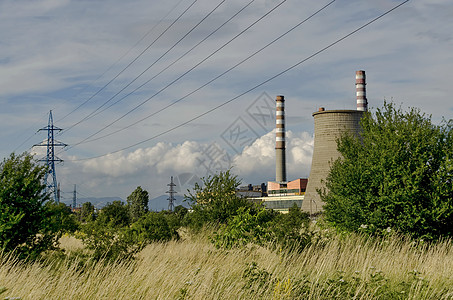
[[350, 267]]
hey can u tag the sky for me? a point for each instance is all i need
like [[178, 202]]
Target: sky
[[145, 90]]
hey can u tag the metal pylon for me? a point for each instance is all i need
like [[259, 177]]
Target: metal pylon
[[74, 198], [172, 192], [50, 159]]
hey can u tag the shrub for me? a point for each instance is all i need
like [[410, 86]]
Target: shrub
[[215, 202], [25, 222], [397, 174]]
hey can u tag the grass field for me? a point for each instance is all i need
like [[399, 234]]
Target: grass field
[[350, 267]]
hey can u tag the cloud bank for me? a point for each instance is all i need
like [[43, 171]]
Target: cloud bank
[[152, 167]]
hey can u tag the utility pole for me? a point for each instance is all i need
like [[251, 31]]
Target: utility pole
[[51, 143], [172, 192], [58, 193], [74, 198]]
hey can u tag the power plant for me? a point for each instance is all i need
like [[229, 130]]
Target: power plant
[[329, 126], [281, 194]]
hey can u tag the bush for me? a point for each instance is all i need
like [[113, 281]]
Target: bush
[[288, 229], [114, 215], [265, 228], [215, 202], [397, 175], [242, 229], [25, 222], [111, 242]]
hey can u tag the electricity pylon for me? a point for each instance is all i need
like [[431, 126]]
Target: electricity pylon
[[74, 198], [172, 192], [51, 143]]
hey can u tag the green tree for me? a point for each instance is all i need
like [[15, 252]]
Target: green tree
[[25, 225], [115, 215], [61, 217], [151, 227], [215, 201], [113, 242], [87, 212], [137, 203], [397, 175]]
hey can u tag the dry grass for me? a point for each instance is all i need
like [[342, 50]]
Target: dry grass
[[344, 268]]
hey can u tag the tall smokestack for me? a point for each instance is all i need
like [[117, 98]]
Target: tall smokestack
[[280, 146], [360, 84]]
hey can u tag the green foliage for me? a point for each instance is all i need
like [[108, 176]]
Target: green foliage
[[265, 227], [242, 229], [397, 175], [109, 240], [153, 226], [87, 212], [61, 218], [287, 229], [114, 215], [215, 201], [106, 242], [25, 225], [240, 221], [138, 203]]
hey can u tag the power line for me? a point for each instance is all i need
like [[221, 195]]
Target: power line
[[96, 111], [26, 140], [215, 78], [182, 75], [29, 138], [108, 69], [128, 65], [122, 56], [254, 87], [170, 65]]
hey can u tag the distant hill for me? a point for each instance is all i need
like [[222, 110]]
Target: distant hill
[[97, 202], [161, 202], [155, 204]]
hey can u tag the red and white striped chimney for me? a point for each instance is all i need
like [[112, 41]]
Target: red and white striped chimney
[[280, 146], [360, 84]]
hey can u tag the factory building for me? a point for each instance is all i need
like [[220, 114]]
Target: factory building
[[282, 196], [252, 191]]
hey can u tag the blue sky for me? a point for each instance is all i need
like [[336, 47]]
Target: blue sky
[[57, 54]]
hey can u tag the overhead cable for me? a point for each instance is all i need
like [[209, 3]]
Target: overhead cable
[[182, 75], [97, 111], [178, 59], [254, 87], [122, 56], [215, 78], [134, 60]]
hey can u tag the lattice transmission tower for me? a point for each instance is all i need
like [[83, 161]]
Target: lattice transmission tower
[[172, 192], [50, 159]]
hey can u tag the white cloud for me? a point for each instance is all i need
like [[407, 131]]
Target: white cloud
[[160, 159], [258, 159], [152, 167]]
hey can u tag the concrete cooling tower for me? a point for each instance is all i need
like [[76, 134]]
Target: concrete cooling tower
[[329, 126]]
